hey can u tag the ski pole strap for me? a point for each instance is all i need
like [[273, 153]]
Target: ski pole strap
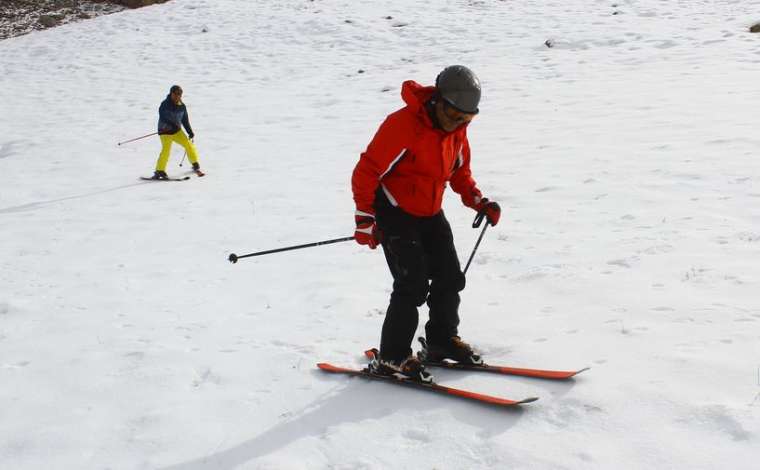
[[233, 258], [479, 219], [482, 232]]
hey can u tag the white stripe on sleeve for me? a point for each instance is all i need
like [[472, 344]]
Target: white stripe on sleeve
[[395, 160]]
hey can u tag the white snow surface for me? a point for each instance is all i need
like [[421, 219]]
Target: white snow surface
[[625, 159]]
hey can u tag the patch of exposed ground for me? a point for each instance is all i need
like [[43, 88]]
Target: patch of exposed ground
[[19, 17]]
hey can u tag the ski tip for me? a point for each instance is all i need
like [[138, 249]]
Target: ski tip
[[537, 373], [483, 398], [569, 375], [330, 368]]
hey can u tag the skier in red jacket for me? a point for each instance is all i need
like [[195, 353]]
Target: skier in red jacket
[[398, 187]]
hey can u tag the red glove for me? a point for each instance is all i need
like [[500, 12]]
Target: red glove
[[472, 198], [491, 210], [366, 230]]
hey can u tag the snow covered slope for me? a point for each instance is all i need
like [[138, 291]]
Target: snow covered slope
[[625, 158]]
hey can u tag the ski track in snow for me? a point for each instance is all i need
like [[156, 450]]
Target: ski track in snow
[[624, 157]]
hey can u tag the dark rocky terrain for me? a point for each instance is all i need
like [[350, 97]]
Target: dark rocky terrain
[[19, 17]]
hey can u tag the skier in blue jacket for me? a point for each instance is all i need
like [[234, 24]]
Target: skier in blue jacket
[[172, 116]]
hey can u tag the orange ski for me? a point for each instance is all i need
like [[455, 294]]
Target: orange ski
[[523, 372], [433, 387]]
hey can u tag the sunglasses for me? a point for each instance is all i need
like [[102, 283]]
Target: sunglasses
[[456, 115]]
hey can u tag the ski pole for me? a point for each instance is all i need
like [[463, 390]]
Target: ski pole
[[234, 258], [475, 224], [183, 158], [136, 138]]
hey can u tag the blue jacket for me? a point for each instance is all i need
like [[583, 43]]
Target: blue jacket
[[171, 116]]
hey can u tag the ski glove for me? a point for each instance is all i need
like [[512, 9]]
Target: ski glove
[[366, 229], [191, 135], [482, 205], [472, 197], [490, 209]]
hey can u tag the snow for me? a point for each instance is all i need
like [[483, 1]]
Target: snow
[[624, 158]]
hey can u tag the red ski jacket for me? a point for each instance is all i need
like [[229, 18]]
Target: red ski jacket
[[412, 160]]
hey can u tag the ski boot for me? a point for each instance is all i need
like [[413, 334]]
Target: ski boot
[[407, 369], [160, 175], [197, 169], [454, 349]]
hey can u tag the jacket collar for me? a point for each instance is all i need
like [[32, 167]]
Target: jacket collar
[[169, 100], [416, 97]]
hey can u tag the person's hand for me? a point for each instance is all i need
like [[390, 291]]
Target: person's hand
[[366, 230], [490, 209], [191, 135], [472, 198]]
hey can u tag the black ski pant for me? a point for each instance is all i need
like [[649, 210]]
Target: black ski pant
[[423, 261]]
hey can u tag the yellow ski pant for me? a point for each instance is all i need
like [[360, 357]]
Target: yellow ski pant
[[166, 146]]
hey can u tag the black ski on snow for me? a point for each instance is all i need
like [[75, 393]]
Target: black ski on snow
[[184, 178], [432, 386]]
